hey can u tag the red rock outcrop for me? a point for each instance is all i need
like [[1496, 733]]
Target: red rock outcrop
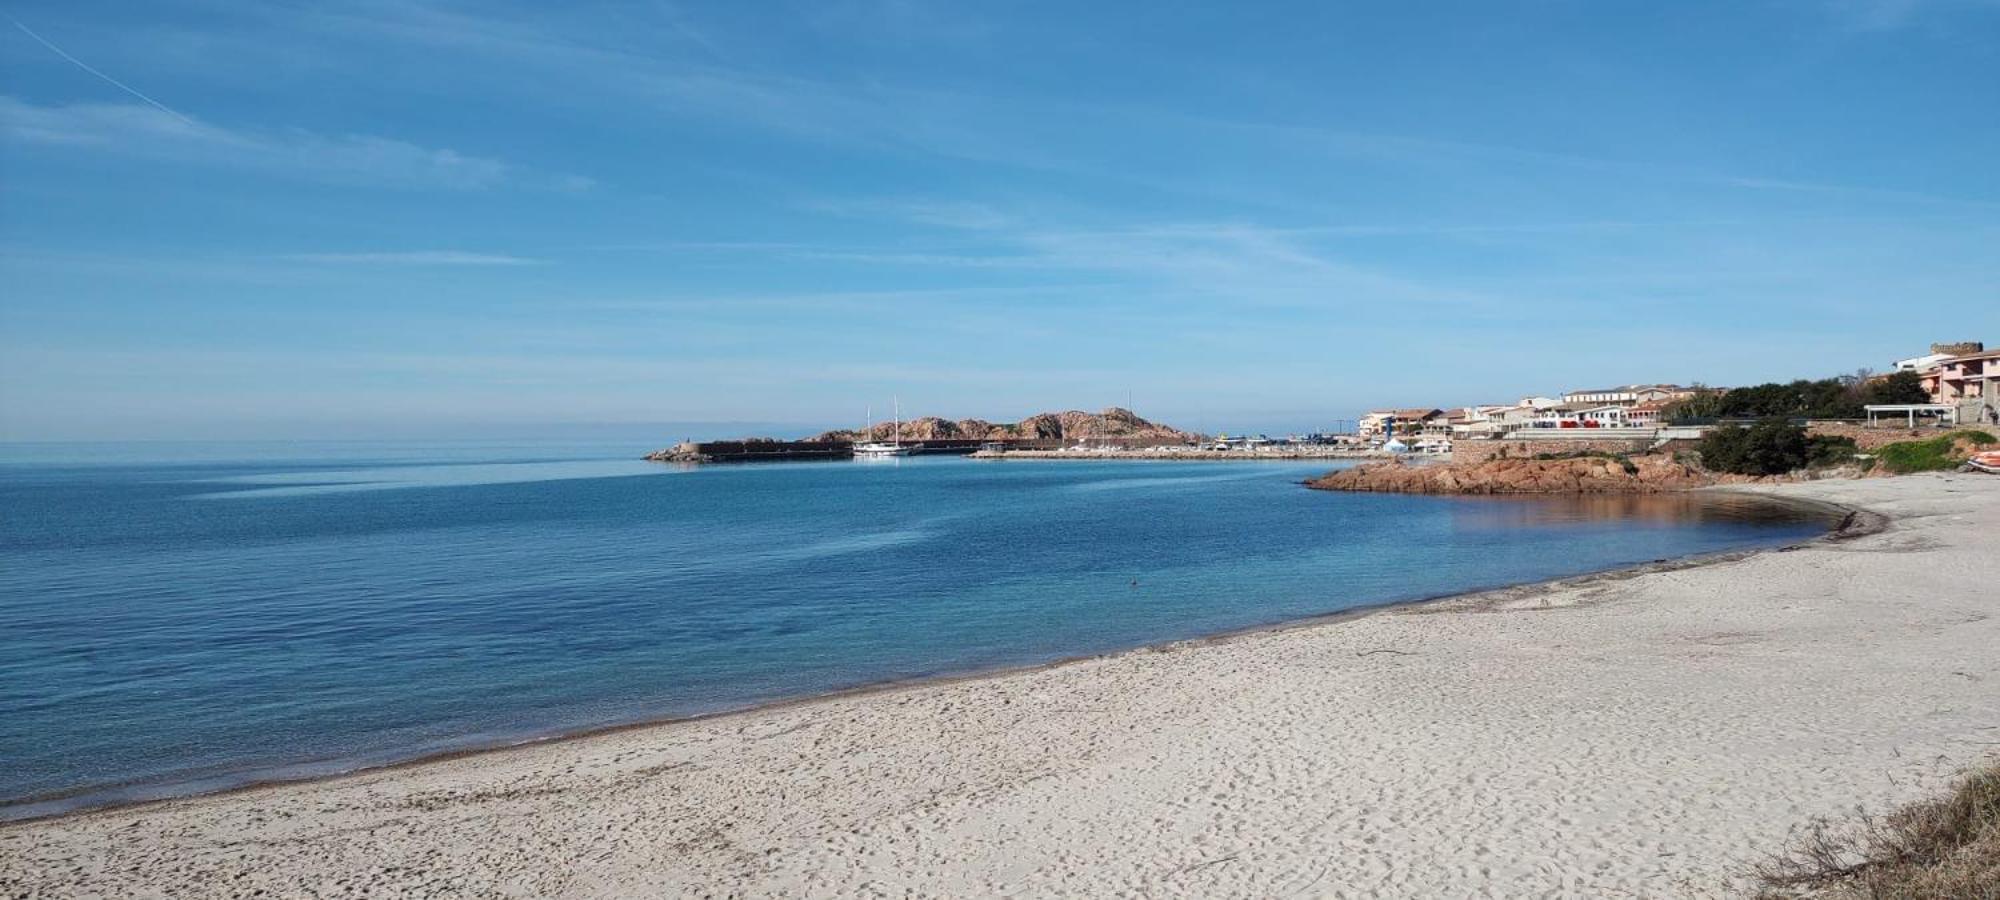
[[1587, 475], [1059, 426]]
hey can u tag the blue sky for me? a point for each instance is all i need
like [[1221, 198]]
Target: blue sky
[[328, 219]]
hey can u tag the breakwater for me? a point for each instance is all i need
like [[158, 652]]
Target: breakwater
[[783, 451], [1181, 453], [1039, 448]]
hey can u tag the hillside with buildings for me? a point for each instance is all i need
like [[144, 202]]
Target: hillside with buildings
[[1953, 384], [1927, 413]]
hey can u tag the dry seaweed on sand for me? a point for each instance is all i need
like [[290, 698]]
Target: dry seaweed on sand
[[1942, 847]]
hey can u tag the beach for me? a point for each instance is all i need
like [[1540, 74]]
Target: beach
[[1649, 733]]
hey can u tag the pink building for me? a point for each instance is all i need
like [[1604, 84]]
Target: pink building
[[1971, 383]]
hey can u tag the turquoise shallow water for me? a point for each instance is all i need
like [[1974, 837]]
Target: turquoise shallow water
[[178, 618]]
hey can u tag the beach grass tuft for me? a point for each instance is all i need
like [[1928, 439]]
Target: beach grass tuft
[[1938, 454], [1944, 847]]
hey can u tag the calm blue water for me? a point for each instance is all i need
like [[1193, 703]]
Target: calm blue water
[[176, 618]]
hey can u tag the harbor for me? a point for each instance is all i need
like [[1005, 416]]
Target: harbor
[[692, 452]]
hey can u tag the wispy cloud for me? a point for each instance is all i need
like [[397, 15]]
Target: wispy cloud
[[149, 101], [1200, 262], [1804, 187], [413, 258], [958, 214], [144, 131], [1887, 15]]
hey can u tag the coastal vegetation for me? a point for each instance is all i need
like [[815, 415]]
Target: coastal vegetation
[[1944, 847], [1844, 397], [1771, 447], [1938, 454]]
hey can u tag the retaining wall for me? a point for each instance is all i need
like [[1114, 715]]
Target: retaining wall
[[1468, 452]]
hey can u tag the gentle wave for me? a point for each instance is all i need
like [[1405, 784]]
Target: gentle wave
[[340, 481]]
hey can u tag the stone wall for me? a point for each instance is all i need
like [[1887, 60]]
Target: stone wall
[[1472, 452], [1868, 439]]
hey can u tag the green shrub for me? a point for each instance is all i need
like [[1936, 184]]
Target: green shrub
[[1770, 447], [1843, 397], [1898, 387], [1828, 450], [1933, 455]]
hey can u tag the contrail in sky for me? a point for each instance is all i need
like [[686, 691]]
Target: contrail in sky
[[162, 107]]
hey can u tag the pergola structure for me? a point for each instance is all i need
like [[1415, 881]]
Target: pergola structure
[[1947, 415]]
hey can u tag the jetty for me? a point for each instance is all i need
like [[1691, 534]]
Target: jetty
[[1194, 453], [1017, 448], [797, 451]]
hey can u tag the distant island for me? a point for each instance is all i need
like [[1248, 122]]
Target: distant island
[[940, 435], [1071, 425]]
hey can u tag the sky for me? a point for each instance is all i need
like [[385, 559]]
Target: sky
[[418, 218]]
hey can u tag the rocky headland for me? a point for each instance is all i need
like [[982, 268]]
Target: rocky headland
[[1048, 429], [1049, 426], [1593, 474]]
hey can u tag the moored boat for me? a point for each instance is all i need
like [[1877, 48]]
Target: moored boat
[[885, 449]]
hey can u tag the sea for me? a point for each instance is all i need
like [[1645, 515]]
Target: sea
[[182, 618]]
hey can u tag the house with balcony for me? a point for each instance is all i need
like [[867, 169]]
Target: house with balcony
[[1385, 423], [1650, 414], [1967, 383]]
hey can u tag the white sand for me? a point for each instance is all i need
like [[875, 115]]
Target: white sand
[[1640, 736]]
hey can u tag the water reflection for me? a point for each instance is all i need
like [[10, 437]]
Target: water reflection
[[1564, 510]]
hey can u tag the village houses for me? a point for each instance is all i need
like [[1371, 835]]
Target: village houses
[[1962, 379]]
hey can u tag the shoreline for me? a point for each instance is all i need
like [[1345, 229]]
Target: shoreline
[[1648, 730], [1189, 456], [1846, 522]]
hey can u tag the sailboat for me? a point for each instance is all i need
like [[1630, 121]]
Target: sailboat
[[884, 449]]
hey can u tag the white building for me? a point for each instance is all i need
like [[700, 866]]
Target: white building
[[1479, 422], [1379, 423], [1921, 363], [1582, 415], [1630, 395], [1513, 417], [1601, 395], [1604, 417]]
